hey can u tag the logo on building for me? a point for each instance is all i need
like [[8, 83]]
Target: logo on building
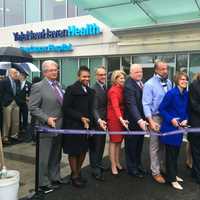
[[71, 31], [48, 48]]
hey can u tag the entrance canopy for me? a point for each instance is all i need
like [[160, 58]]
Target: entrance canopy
[[123, 14]]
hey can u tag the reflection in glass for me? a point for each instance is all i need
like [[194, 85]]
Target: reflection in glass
[[1, 13], [82, 12], [194, 64], [181, 62], [52, 9], [71, 9], [14, 12], [126, 63], [32, 11]]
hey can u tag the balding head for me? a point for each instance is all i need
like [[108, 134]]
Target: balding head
[[50, 69], [13, 73], [136, 72]]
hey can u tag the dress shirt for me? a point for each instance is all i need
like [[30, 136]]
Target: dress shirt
[[153, 93]]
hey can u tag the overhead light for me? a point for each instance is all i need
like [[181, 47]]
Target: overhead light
[[59, 0], [7, 9]]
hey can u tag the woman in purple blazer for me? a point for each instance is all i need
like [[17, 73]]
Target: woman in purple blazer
[[174, 111]]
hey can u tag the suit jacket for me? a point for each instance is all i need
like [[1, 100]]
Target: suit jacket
[[6, 92], [100, 102], [23, 93], [43, 103], [133, 103], [173, 105], [194, 103], [77, 104]]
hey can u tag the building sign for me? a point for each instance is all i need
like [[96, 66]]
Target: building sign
[[48, 48], [71, 31]]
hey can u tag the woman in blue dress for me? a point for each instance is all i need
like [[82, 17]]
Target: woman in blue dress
[[174, 111]]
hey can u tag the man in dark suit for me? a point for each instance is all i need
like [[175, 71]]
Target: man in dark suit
[[9, 89], [97, 142], [134, 114], [23, 96]]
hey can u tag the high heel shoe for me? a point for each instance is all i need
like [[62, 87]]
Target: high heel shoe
[[120, 169], [178, 179], [176, 185]]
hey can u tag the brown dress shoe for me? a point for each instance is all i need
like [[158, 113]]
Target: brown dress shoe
[[159, 178]]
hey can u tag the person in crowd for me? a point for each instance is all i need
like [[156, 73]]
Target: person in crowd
[[9, 88], [115, 119], [23, 98], [135, 115], [153, 92], [97, 142], [78, 114], [174, 112], [45, 105], [194, 121]]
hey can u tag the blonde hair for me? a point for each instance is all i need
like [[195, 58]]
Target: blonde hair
[[116, 74], [178, 76]]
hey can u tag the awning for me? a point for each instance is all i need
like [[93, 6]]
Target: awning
[[122, 14]]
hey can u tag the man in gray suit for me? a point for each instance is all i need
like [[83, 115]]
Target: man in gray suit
[[97, 142], [45, 105]]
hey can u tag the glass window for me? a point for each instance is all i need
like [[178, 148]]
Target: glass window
[[14, 12], [181, 62], [143, 59], [126, 63], [53, 9], [33, 13], [94, 64], [69, 70], [1, 13], [82, 12], [71, 8], [168, 58], [113, 64], [194, 64], [83, 61]]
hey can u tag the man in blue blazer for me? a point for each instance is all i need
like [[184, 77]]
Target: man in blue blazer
[[135, 115]]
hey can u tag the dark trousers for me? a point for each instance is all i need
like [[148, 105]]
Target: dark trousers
[[96, 150], [172, 153], [23, 116], [195, 148], [133, 151]]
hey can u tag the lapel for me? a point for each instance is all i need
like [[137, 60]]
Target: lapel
[[9, 85]]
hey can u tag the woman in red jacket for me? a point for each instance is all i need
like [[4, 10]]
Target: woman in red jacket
[[115, 114]]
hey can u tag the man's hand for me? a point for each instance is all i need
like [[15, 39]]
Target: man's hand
[[154, 125], [124, 122], [143, 125], [52, 121], [86, 122], [184, 123], [102, 124]]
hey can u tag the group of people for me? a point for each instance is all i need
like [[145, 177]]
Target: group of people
[[128, 105], [14, 94]]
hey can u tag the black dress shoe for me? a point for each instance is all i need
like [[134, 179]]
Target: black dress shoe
[[77, 182], [60, 182], [98, 177], [136, 174], [142, 170], [46, 189]]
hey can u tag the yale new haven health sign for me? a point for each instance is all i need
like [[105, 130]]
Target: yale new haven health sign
[[70, 31]]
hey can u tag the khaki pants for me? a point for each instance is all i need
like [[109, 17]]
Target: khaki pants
[[157, 152], [10, 120]]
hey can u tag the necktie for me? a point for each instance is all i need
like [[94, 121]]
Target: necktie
[[14, 87], [104, 87], [140, 84], [57, 92]]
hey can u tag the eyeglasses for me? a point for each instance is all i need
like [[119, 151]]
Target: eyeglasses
[[101, 74]]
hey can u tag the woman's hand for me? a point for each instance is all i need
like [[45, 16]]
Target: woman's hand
[[86, 122], [175, 122], [124, 122]]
